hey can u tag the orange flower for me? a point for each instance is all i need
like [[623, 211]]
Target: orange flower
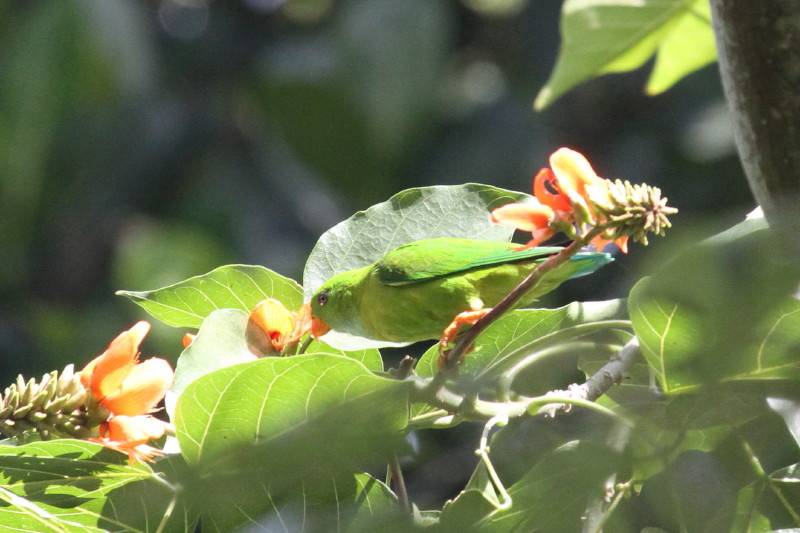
[[123, 385], [272, 327], [568, 189], [129, 390], [129, 435]]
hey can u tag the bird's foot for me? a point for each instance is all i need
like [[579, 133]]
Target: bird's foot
[[466, 318]]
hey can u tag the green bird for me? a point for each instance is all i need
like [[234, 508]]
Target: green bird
[[417, 290]]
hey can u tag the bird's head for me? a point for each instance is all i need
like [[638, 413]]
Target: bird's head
[[332, 305]]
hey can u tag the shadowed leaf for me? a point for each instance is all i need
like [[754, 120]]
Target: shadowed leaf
[[722, 310], [68, 485]]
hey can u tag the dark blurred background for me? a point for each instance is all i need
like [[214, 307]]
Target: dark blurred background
[[142, 143]]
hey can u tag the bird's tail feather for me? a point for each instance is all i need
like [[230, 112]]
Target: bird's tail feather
[[584, 263]]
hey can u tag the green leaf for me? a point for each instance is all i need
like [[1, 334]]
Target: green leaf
[[466, 510], [410, 215], [257, 433], [187, 303], [255, 402], [69, 485], [722, 310], [746, 517], [789, 474], [688, 45], [350, 503], [374, 502], [551, 497], [604, 36], [220, 342], [694, 493], [522, 334]]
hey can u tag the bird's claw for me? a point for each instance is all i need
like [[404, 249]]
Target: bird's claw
[[465, 318]]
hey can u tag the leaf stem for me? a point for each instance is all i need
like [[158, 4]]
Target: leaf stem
[[452, 357], [399, 484], [483, 452]]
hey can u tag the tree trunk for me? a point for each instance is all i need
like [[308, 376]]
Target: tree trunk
[[759, 58]]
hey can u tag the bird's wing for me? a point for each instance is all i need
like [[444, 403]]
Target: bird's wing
[[436, 258]]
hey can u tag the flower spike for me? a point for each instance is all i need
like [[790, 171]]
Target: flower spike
[[571, 198]]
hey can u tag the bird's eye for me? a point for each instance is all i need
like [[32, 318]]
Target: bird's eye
[[322, 298]]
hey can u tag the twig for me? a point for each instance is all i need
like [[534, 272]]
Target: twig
[[612, 373]]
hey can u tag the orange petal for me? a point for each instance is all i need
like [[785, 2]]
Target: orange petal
[[573, 171], [524, 216], [302, 323], [142, 389], [188, 339], [106, 372], [546, 190], [128, 434], [599, 243], [134, 429], [275, 320], [539, 236]]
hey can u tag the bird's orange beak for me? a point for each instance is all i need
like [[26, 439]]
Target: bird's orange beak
[[318, 327]]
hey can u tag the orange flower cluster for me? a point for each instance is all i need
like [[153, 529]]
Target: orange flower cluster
[[128, 391], [565, 194], [272, 328]]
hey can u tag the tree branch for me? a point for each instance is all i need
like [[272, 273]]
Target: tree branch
[[433, 392], [758, 43]]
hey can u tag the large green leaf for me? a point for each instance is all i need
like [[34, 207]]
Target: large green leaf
[[257, 432], [524, 333], [722, 310], [410, 215], [69, 485], [603, 36], [187, 303], [255, 402]]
